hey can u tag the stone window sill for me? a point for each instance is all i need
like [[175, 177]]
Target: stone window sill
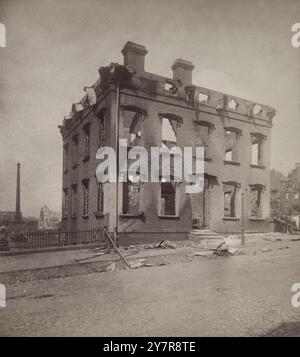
[[85, 216], [98, 214], [65, 218], [253, 166], [168, 216], [132, 215], [256, 219], [227, 162], [74, 216], [231, 219]]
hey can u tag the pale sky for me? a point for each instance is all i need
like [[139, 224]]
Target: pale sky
[[55, 48]]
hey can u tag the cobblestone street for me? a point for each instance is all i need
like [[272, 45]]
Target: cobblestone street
[[225, 296]]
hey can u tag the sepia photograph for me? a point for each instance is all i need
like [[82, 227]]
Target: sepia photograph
[[150, 171]]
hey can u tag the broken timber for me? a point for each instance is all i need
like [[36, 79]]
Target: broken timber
[[116, 249]]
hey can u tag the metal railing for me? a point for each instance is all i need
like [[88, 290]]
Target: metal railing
[[51, 239]]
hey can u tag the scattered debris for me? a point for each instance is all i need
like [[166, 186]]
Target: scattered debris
[[212, 244], [204, 253], [232, 251], [222, 252], [101, 249], [285, 247], [138, 263], [226, 247], [265, 250], [111, 267], [164, 244], [148, 265], [285, 223], [232, 241]]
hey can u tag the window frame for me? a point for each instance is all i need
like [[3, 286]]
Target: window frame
[[176, 200], [236, 207], [261, 189], [75, 151], [74, 201], [86, 194], [87, 141]]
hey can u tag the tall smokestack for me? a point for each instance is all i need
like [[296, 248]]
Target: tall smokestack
[[18, 216]]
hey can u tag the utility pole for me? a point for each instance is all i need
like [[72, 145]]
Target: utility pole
[[121, 76], [116, 235], [18, 214], [243, 219]]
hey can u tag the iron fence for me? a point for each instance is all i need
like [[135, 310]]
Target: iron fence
[[51, 239]]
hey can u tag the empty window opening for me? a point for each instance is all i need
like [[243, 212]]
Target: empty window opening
[[132, 127], [256, 201], [168, 199], [170, 88], [232, 104], [231, 145], [86, 130], [257, 109], [203, 98], [65, 158], [99, 197], [101, 128], [74, 200], [75, 150], [65, 202], [168, 131], [230, 193], [203, 132], [257, 149], [131, 197], [85, 187]]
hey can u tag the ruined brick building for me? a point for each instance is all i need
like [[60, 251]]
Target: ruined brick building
[[276, 179], [290, 192], [235, 133]]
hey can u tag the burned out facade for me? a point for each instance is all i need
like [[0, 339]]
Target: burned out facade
[[156, 111], [290, 192]]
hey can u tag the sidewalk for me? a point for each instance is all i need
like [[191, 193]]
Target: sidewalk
[[66, 263]]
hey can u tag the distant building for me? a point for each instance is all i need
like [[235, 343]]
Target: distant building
[[48, 219], [290, 192], [276, 179], [7, 218]]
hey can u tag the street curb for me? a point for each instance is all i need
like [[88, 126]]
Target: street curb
[[49, 250]]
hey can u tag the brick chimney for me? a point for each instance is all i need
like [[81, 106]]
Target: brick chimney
[[134, 56], [182, 71]]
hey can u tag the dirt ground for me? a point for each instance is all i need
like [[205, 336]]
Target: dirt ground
[[177, 293]]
